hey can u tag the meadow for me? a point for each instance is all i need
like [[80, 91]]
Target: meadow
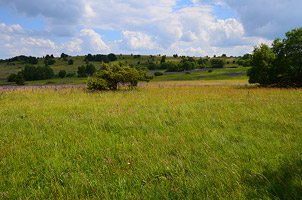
[[200, 139]]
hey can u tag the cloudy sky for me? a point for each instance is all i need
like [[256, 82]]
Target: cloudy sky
[[192, 27]]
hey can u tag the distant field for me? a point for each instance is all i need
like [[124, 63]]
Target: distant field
[[200, 139]]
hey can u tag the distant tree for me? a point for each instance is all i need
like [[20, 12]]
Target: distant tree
[[70, 62], [12, 77], [223, 56], [112, 57], [163, 59], [175, 55], [63, 55], [90, 69], [20, 79], [217, 63], [62, 73], [82, 71]]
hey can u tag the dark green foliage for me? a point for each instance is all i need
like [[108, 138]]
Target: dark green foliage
[[82, 71], [23, 59], [62, 74], [108, 78], [63, 55], [97, 58], [32, 73], [163, 59], [89, 70], [70, 62], [175, 55], [217, 63], [158, 74], [20, 79], [280, 65], [112, 57], [245, 60], [136, 56], [70, 75], [12, 77], [223, 56], [49, 60], [210, 70], [151, 65]]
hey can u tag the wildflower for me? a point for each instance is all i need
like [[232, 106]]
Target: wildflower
[[172, 189], [3, 193], [204, 175]]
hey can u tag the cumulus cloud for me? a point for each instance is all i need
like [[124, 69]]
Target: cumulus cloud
[[138, 40], [148, 26]]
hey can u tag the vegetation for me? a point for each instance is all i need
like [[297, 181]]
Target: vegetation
[[217, 63], [108, 78], [89, 70], [166, 142], [280, 65]]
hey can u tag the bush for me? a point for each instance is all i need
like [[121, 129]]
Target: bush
[[158, 74], [70, 62], [210, 70], [108, 78], [62, 74], [217, 63], [70, 75], [188, 73], [12, 77]]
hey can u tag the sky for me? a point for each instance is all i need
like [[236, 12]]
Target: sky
[[146, 27]]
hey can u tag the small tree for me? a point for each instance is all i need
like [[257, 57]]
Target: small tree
[[20, 79], [70, 62], [12, 77], [82, 71], [62, 73], [108, 78], [217, 63]]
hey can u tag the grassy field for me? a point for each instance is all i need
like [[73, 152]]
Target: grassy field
[[164, 140]]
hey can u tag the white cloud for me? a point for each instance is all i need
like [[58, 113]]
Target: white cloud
[[138, 40], [149, 27], [94, 40]]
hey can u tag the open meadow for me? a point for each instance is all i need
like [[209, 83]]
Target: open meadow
[[163, 140]]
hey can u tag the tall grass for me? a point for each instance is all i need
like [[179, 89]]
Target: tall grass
[[151, 143]]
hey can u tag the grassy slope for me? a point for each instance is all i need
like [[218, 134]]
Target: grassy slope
[[60, 64], [152, 143]]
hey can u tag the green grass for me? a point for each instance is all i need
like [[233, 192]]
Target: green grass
[[215, 75], [186, 142]]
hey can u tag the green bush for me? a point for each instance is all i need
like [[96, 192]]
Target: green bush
[[109, 78], [158, 74], [12, 77]]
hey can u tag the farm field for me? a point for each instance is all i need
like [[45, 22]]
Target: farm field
[[200, 139]]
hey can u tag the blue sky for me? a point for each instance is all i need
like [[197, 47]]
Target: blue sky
[[195, 28]]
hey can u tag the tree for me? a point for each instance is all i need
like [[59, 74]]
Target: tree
[[12, 77], [163, 59], [70, 62], [20, 79], [62, 73], [280, 65], [261, 62], [217, 63], [108, 78], [82, 71], [90, 69], [112, 57]]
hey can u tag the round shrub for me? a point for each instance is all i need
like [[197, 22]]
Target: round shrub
[[158, 74]]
